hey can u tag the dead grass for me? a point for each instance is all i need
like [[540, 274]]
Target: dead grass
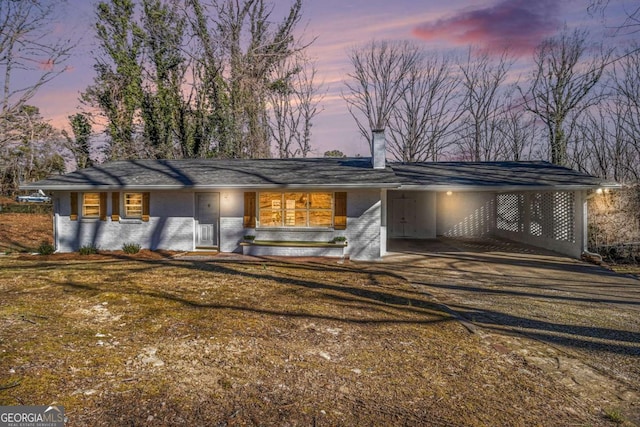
[[121, 341], [627, 269], [24, 232], [20, 232]]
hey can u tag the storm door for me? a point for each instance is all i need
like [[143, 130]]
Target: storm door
[[207, 219]]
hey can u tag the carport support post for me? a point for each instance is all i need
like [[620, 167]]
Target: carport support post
[[585, 220], [383, 222]]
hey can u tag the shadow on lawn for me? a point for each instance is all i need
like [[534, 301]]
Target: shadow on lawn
[[418, 302], [587, 337], [395, 307]]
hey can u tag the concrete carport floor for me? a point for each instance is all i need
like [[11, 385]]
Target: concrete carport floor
[[577, 321]]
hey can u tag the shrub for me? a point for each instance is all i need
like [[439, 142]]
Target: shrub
[[131, 248], [249, 238], [339, 239], [88, 250], [46, 248]]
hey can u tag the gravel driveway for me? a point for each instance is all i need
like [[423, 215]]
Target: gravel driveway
[[577, 321]]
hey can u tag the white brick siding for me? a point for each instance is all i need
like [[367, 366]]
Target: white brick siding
[[172, 227]]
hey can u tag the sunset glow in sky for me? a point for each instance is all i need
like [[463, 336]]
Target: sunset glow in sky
[[339, 25]]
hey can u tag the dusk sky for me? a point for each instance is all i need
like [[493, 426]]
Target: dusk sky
[[339, 25]]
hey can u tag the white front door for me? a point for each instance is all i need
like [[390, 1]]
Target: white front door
[[403, 218], [207, 219]]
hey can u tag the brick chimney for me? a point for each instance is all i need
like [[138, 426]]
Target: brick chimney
[[379, 149]]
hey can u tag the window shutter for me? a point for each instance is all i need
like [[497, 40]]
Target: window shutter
[[115, 206], [249, 210], [145, 206], [340, 215], [74, 207], [103, 206]]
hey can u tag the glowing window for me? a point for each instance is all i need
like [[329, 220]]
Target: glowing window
[[295, 209], [133, 205], [91, 205]]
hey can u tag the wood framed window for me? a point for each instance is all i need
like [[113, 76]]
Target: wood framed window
[[320, 209], [91, 205], [133, 205], [295, 209]]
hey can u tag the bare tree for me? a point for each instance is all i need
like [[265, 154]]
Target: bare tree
[[31, 155], [483, 81], [517, 130], [631, 21], [427, 112], [27, 49], [625, 78], [294, 102], [251, 62], [562, 86], [378, 82], [309, 98], [285, 116]]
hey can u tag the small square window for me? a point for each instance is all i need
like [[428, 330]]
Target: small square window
[[91, 205], [133, 205]]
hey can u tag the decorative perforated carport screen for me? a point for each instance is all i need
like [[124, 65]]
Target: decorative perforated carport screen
[[547, 215]]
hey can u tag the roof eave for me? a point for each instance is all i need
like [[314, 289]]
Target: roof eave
[[112, 187], [503, 188]]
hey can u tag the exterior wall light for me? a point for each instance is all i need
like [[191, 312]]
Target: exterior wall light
[[599, 191], [449, 193]]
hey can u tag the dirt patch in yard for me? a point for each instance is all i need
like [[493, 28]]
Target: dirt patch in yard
[[166, 342]]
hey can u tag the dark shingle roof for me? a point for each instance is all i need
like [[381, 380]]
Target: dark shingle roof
[[319, 173], [491, 175], [210, 173]]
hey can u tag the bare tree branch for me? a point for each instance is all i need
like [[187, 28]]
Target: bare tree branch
[[26, 48], [561, 86], [483, 81], [378, 82], [427, 112]]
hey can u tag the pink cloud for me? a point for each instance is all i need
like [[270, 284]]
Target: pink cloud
[[46, 65], [518, 25]]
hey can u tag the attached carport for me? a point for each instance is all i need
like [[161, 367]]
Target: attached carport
[[534, 203]]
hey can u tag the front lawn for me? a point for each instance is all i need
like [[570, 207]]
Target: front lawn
[[167, 342]]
